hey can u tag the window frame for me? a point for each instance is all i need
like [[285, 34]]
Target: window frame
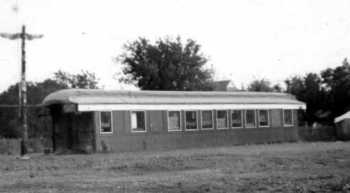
[[132, 129], [292, 118], [227, 120], [109, 132], [197, 128], [212, 120], [245, 116], [242, 122], [268, 118], [180, 129]]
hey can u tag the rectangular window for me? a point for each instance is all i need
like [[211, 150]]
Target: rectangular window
[[264, 120], [236, 118], [207, 120], [250, 118], [287, 117], [106, 122], [221, 119], [191, 120], [138, 121], [174, 121]]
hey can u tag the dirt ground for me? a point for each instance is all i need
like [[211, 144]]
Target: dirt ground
[[289, 167]]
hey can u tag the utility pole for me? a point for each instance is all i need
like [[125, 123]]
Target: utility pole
[[23, 85]]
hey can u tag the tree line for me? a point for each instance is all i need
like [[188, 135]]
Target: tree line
[[173, 64], [38, 119], [326, 94]]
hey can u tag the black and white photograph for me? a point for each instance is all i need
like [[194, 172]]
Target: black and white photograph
[[174, 96]]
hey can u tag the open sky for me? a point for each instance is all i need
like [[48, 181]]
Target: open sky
[[244, 39]]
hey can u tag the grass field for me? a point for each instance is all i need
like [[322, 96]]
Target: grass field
[[289, 167]]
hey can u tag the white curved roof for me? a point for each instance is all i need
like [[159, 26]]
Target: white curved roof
[[165, 99]]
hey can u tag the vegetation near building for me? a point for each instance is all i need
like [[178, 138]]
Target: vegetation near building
[[165, 65], [326, 94], [38, 124], [263, 85]]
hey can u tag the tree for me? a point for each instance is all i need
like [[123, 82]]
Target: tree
[[9, 125], [165, 65], [83, 80], [337, 82], [277, 88], [36, 93], [260, 86], [309, 89]]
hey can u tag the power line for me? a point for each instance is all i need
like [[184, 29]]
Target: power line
[[17, 106]]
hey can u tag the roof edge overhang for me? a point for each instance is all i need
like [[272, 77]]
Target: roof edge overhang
[[342, 117], [115, 107]]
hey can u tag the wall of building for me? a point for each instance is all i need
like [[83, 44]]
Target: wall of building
[[157, 136], [343, 130], [73, 131], [84, 132]]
